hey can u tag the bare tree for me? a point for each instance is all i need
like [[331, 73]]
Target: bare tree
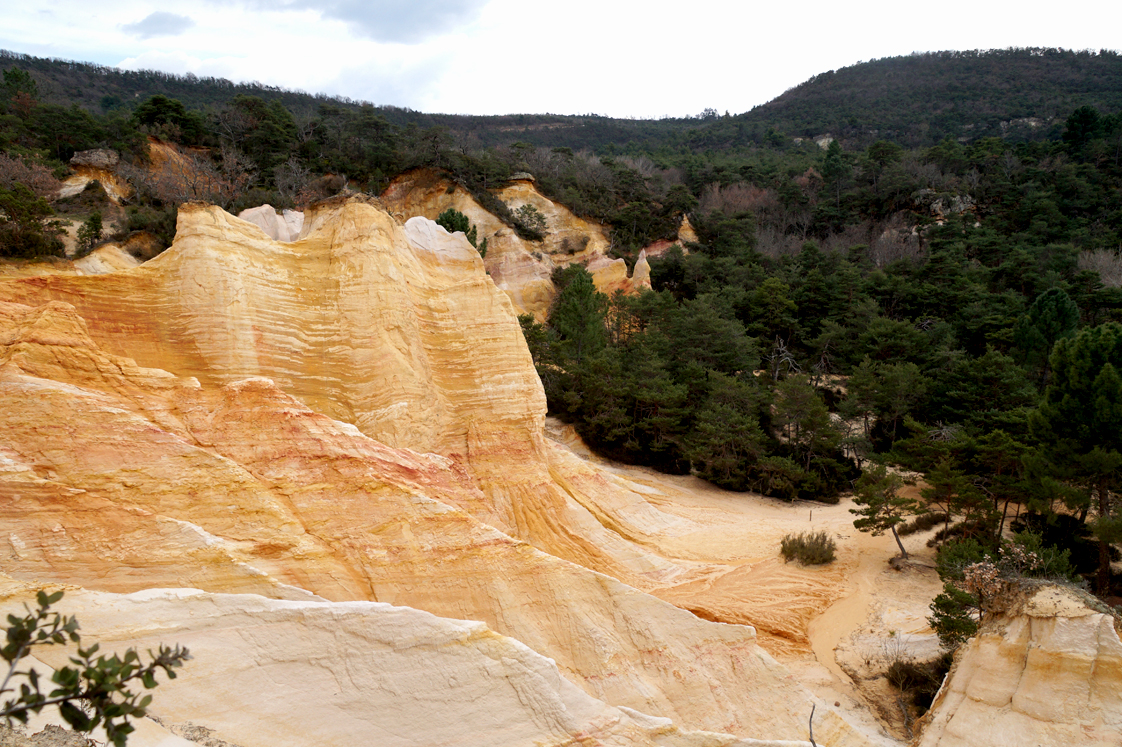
[[194, 175], [1106, 262], [35, 176], [896, 239], [293, 179]]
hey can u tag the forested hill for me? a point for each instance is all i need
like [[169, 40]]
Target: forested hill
[[103, 90], [918, 100]]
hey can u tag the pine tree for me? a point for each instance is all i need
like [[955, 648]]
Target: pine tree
[[1080, 420], [882, 505], [577, 315]]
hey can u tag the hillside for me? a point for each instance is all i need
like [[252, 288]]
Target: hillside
[[916, 100], [920, 99], [101, 90]]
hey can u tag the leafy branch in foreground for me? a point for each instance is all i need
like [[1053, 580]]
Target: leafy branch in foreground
[[94, 691]]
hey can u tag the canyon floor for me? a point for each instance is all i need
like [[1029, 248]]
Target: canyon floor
[[836, 627]]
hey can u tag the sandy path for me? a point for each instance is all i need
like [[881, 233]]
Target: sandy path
[[737, 574], [850, 612]]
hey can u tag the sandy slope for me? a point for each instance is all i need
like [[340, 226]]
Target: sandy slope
[[836, 627]]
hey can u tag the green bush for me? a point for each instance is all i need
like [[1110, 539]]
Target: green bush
[[531, 218], [453, 220], [160, 222], [955, 556], [809, 548], [921, 523], [24, 230], [963, 530]]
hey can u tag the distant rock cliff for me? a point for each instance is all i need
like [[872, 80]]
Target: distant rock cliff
[[520, 268]]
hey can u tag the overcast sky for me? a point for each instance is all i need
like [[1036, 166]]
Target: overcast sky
[[623, 59]]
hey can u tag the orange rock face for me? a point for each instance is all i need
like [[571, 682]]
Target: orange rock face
[[352, 416]]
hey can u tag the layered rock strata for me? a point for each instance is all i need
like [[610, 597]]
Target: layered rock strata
[[308, 672], [1046, 671], [352, 417]]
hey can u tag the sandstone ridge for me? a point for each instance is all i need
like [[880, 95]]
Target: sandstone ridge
[[352, 672], [353, 417]]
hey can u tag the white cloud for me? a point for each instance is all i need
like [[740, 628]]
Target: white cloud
[[388, 21], [159, 23]]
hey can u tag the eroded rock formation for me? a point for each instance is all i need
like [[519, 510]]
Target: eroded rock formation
[[284, 672], [354, 417], [285, 226], [96, 165], [520, 268], [1046, 671]]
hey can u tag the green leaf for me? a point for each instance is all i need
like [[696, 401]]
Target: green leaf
[[74, 716]]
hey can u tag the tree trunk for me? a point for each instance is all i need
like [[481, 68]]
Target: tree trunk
[[903, 552], [1004, 513], [1102, 578]]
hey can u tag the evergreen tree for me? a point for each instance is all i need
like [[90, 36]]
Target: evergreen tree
[[1080, 422], [882, 507], [23, 225], [726, 441], [1053, 316], [578, 313], [90, 233]]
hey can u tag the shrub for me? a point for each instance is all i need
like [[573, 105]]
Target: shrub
[[1064, 532], [35, 176], [531, 218], [453, 220], [89, 234], [24, 231], [920, 680], [961, 530], [954, 557], [159, 221], [905, 675], [975, 577], [809, 548], [101, 691], [921, 523]]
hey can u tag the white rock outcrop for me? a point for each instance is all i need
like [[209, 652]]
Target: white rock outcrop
[[267, 672], [1045, 672], [285, 226]]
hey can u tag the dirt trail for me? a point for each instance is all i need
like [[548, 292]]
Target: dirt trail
[[850, 612]]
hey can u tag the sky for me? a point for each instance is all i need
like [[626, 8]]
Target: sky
[[621, 59]]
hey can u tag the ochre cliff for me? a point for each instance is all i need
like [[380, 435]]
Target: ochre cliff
[[520, 268], [1045, 671], [354, 417]]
